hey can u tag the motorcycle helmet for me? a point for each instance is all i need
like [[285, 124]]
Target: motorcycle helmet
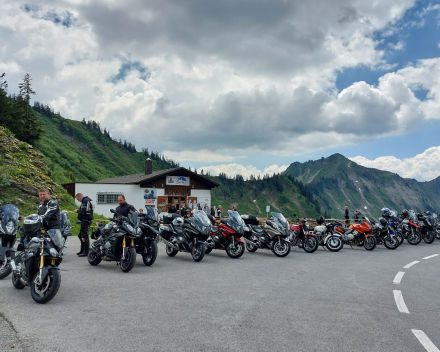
[[405, 213], [32, 224], [320, 220], [177, 221], [385, 211]]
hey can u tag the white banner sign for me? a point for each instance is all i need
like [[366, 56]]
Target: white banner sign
[[177, 181], [150, 196]]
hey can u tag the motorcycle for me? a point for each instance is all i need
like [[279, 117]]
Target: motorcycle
[[357, 234], [227, 235], [384, 234], [327, 237], [436, 226], [116, 242], [393, 223], [426, 223], [9, 215], [301, 236], [410, 229], [273, 236], [186, 235], [146, 244], [37, 260]]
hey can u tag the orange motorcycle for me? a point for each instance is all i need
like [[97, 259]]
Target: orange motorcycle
[[358, 234]]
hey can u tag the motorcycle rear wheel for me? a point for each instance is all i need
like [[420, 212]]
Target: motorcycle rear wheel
[[93, 258], [281, 248], [235, 250], [171, 252], [130, 260], [390, 242], [414, 237], [16, 282], [5, 267], [370, 243], [48, 289], [150, 257], [334, 243], [198, 252], [310, 244], [429, 237]]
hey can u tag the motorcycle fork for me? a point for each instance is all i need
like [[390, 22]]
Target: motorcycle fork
[[233, 242], [123, 248]]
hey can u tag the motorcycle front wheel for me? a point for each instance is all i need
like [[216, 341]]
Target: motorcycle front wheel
[[5, 267], [310, 244], [437, 234], [281, 248], [334, 243], [130, 259], [151, 254], [44, 292], [429, 237], [414, 237], [198, 252], [235, 250], [400, 238], [370, 243]]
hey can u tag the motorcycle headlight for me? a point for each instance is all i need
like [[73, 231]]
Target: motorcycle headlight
[[10, 227], [53, 252]]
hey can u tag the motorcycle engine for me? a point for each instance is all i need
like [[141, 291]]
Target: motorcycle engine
[[351, 236]]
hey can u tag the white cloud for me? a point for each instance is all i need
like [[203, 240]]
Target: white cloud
[[198, 156], [238, 169], [423, 167]]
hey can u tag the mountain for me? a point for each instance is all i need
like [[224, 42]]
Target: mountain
[[77, 151], [281, 192], [337, 181]]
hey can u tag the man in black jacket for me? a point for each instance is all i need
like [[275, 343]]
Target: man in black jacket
[[85, 215], [124, 208], [347, 217]]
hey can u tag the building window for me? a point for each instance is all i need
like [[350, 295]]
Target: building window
[[107, 197]]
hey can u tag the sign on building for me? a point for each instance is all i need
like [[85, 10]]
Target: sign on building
[[177, 181], [150, 196]]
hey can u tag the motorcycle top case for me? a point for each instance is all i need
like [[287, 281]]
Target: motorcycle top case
[[250, 220], [169, 217]]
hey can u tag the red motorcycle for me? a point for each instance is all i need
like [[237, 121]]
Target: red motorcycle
[[227, 236], [301, 236]]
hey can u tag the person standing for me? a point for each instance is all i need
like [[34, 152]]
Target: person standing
[[212, 211], [346, 216], [123, 208], [85, 216], [49, 210], [219, 211]]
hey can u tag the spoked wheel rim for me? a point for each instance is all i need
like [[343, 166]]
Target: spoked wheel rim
[[334, 242], [281, 248]]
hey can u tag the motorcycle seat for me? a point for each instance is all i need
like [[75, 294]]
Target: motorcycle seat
[[345, 229], [256, 228]]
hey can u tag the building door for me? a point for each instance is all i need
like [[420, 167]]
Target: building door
[[177, 201], [192, 202]]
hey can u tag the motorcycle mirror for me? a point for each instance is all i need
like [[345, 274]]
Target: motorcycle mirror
[[112, 211]]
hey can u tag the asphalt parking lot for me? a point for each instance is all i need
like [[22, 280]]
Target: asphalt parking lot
[[323, 301]]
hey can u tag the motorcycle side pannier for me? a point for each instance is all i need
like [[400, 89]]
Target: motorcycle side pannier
[[250, 220], [169, 217]]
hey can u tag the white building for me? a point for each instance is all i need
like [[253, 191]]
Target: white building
[[159, 189]]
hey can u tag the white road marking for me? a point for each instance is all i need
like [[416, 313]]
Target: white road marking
[[398, 277], [431, 256], [407, 266], [400, 302], [425, 341]]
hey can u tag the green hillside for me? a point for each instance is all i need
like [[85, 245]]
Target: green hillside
[[80, 152], [284, 194], [337, 181]]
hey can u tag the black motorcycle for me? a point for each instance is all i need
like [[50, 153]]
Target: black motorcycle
[[146, 244], [116, 241], [37, 260], [384, 234], [9, 215], [186, 235], [427, 229]]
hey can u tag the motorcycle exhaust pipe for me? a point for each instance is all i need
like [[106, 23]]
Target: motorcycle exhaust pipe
[[252, 243], [169, 244]]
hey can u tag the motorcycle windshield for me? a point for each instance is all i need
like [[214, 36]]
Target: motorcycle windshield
[[201, 222], [236, 221], [412, 216], [10, 214], [133, 218], [281, 222]]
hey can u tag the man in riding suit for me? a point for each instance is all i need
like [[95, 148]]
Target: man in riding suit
[[124, 208], [49, 210], [85, 215]]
